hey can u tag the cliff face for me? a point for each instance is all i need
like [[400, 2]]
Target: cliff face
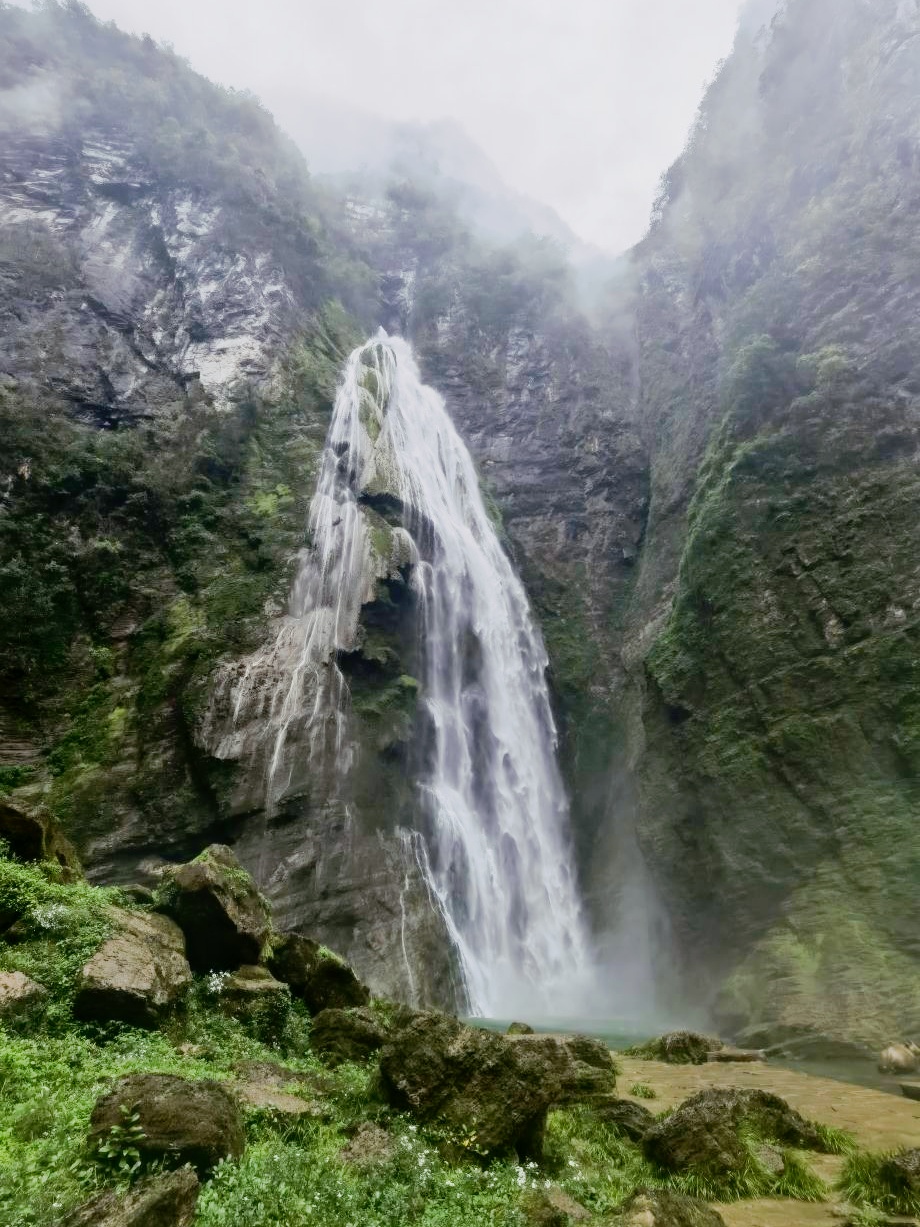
[[710, 496], [773, 637]]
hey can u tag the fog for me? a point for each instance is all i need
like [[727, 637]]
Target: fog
[[579, 104]]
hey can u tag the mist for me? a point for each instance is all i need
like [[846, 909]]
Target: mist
[[581, 105]]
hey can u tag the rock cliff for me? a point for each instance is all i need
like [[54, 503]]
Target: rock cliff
[[709, 487]]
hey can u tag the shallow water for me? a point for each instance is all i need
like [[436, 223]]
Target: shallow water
[[622, 1033]]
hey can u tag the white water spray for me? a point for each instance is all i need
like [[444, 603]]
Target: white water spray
[[494, 845]]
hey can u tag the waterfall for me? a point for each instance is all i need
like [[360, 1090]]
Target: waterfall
[[492, 841]]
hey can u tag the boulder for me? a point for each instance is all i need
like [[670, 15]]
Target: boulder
[[370, 1147], [179, 1121], [33, 835], [137, 975], [216, 905], [250, 988], [901, 1173], [736, 1056], [630, 1120], [538, 1211], [703, 1136], [165, 1200], [337, 1036], [19, 996], [910, 1090], [519, 1028], [317, 976], [680, 1048], [662, 1208], [899, 1059], [496, 1088]]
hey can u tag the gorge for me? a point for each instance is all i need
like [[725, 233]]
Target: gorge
[[704, 478]]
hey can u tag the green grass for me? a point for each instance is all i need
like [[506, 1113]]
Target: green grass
[[866, 1184], [642, 1090]]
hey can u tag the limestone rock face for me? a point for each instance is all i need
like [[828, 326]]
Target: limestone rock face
[[321, 979], [165, 1200], [138, 974], [702, 1136], [496, 1087], [182, 1121], [19, 995], [216, 904]]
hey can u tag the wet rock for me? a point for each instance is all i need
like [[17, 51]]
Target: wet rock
[[370, 1147], [494, 1087], [216, 904], [320, 978], [703, 1137], [33, 835], [19, 996], [629, 1119], [899, 1059], [519, 1028], [662, 1208], [680, 1048], [338, 1036], [180, 1121], [138, 974], [910, 1090], [165, 1200]]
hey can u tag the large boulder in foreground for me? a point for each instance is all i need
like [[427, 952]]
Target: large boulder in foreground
[[317, 976], [165, 1200], [179, 1121], [709, 1135], [138, 974], [495, 1089], [662, 1208], [215, 903], [337, 1036]]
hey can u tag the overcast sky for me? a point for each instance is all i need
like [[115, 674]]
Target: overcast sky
[[580, 103]]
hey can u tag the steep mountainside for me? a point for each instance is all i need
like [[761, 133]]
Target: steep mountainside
[[710, 495], [773, 640]]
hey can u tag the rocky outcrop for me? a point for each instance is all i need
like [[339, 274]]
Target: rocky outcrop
[[626, 1118], [496, 1089], [899, 1059], [711, 1134], [317, 976], [337, 1036], [664, 1208], [215, 903], [137, 975], [20, 996], [177, 1121], [166, 1200], [32, 835], [680, 1048]]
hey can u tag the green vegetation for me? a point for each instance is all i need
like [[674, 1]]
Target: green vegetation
[[874, 1184], [53, 1068], [642, 1090]]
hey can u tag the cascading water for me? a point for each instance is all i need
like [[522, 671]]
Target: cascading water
[[493, 843]]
